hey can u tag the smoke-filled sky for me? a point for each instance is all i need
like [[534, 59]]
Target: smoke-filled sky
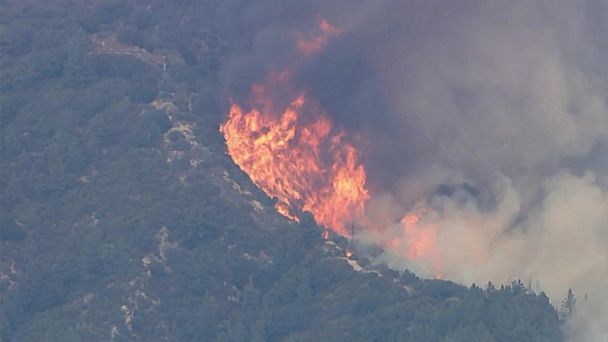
[[492, 113]]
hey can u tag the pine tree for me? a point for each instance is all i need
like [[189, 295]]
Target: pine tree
[[568, 305], [78, 68]]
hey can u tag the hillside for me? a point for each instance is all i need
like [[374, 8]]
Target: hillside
[[124, 219]]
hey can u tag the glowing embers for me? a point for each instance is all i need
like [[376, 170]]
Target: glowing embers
[[348, 253], [295, 155]]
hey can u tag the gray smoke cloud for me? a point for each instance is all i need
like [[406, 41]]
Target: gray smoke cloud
[[492, 113]]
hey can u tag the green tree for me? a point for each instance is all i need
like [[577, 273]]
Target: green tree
[[78, 68]]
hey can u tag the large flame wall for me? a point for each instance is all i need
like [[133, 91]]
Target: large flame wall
[[295, 154], [306, 164]]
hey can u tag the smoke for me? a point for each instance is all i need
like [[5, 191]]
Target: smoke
[[560, 243], [493, 114]]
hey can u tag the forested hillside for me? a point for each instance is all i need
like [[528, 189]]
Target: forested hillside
[[123, 218]]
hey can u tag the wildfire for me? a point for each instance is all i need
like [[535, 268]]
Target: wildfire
[[302, 161], [293, 153], [416, 240], [314, 44]]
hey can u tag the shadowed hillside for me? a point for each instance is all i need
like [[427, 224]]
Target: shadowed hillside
[[123, 218]]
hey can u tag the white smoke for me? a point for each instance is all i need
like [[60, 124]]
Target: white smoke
[[560, 243], [509, 96]]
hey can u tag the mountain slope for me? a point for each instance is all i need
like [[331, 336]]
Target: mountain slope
[[123, 218]]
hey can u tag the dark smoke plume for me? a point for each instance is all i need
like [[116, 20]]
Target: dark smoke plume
[[506, 97]]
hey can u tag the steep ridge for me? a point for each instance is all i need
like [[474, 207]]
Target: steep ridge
[[124, 219]]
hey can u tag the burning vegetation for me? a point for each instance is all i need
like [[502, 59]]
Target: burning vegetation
[[306, 164], [295, 154]]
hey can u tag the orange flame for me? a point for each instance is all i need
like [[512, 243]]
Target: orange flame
[[417, 241], [313, 45], [295, 155], [299, 161]]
